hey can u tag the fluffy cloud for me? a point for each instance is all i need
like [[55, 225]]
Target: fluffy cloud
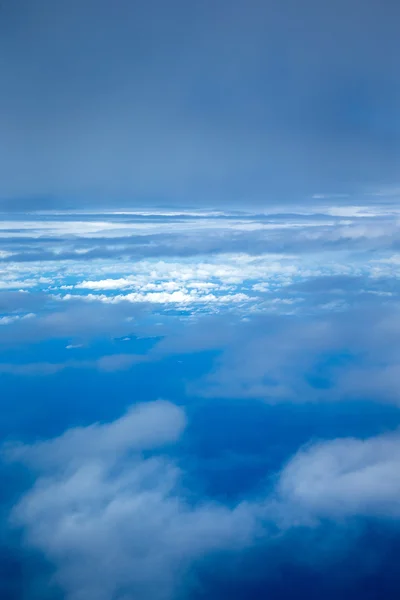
[[13, 318], [177, 297], [114, 521], [299, 358], [255, 260], [110, 510], [343, 478]]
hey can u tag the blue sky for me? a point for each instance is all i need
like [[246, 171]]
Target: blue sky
[[199, 300]]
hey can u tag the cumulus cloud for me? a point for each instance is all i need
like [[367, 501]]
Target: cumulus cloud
[[7, 320], [336, 355], [110, 509], [342, 478], [114, 521], [244, 258], [178, 297], [145, 426]]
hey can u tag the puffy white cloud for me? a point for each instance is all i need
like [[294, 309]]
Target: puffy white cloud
[[342, 478], [296, 357], [7, 320], [106, 284], [117, 524], [178, 297], [144, 426], [209, 258], [110, 511]]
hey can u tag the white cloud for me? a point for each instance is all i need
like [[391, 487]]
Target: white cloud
[[348, 211], [116, 524], [7, 320], [106, 284], [342, 478], [260, 287], [145, 426], [178, 297]]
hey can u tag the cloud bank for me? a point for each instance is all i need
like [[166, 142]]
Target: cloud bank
[[110, 509]]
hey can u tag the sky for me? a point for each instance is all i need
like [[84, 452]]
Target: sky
[[210, 103], [199, 300]]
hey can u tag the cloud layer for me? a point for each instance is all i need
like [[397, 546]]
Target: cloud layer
[[111, 512], [276, 334]]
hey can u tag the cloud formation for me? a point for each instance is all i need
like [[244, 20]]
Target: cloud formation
[[116, 521], [111, 511], [344, 478]]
